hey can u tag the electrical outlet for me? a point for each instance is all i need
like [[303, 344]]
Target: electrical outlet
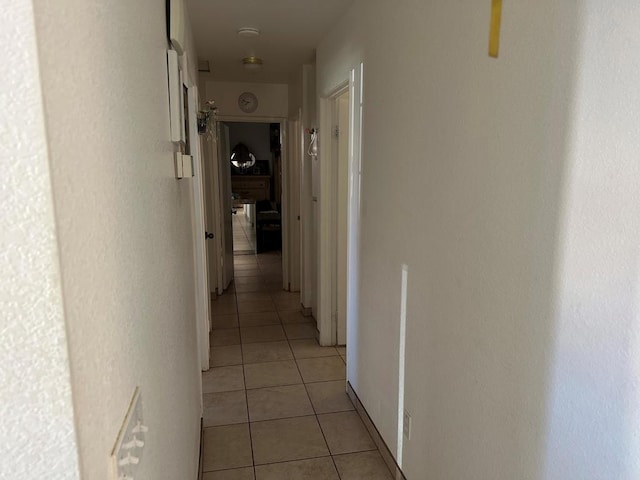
[[406, 425]]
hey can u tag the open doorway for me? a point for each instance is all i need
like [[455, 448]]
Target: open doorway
[[338, 240], [333, 231], [256, 184], [340, 181]]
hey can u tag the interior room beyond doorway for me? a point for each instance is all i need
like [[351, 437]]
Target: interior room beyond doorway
[[244, 232], [256, 184]]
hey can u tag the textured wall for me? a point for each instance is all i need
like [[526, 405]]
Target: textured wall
[[124, 227], [37, 437], [462, 155], [273, 98], [593, 419], [509, 187]]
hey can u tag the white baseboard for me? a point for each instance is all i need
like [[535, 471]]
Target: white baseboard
[[386, 454]]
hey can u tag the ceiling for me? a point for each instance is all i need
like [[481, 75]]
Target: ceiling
[[290, 30]]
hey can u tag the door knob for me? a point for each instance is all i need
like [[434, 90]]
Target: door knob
[[208, 235]]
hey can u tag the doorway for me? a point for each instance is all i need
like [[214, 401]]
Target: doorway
[[340, 181], [256, 180], [338, 225], [333, 235], [257, 194], [190, 146]]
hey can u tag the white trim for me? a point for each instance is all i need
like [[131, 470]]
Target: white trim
[[325, 291], [326, 216], [401, 362], [242, 119], [341, 176], [286, 224], [323, 233], [294, 163], [175, 93], [202, 280], [308, 294], [217, 211], [285, 188], [353, 249], [224, 201], [285, 227]]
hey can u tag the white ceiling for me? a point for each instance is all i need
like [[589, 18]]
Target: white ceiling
[[289, 32]]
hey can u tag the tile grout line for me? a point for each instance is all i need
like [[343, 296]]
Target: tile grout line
[[246, 395], [315, 413], [288, 341]]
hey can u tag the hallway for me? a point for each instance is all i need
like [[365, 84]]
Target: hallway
[[244, 233], [275, 401]]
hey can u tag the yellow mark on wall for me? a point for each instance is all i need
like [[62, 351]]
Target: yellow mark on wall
[[494, 34]]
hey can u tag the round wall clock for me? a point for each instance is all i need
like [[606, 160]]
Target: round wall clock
[[248, 102]]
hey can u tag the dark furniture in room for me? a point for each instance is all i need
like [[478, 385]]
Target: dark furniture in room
[[268, 227]]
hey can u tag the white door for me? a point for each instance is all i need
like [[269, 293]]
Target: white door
[[211, 200], [342, 209], [202, 281], [291, 216], [226, 204], [334, 276]]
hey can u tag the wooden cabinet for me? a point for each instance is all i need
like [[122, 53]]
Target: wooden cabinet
[[251, 187]]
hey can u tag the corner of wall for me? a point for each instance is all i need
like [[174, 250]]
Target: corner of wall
[[37, 428]]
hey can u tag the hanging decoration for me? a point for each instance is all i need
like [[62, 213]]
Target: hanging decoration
[[207, 118]]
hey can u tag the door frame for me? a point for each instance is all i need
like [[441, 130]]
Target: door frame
[[208, 146], [340, 209], [198, 220], [286, 188], [216, 188], [292, 172], [327, 268], [223, 169]]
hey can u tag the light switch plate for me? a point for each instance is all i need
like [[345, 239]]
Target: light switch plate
[[178, 165], [127, 451], [184, 165], [406, 425], [187, 166]]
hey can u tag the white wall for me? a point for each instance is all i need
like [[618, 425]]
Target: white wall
[[509, 187], [295, 92], [273, 98], [124, 230], [308, 274], [37, 433], [593, 424]]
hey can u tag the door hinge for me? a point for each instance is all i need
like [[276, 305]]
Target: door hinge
[[336, 131]]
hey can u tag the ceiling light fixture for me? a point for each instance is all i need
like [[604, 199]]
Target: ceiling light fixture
[[252, 64], [248, 32]]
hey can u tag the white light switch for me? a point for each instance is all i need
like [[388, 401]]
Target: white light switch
[[184, 165], [187, 166], [127, 452]]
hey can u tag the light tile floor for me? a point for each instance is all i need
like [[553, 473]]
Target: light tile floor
[[244, 234], [275, 401]]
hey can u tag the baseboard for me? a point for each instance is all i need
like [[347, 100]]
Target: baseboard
[[200, 462], [306, 311], [387, 456]]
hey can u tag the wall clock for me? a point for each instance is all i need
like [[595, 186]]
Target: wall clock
[[248, 102]]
